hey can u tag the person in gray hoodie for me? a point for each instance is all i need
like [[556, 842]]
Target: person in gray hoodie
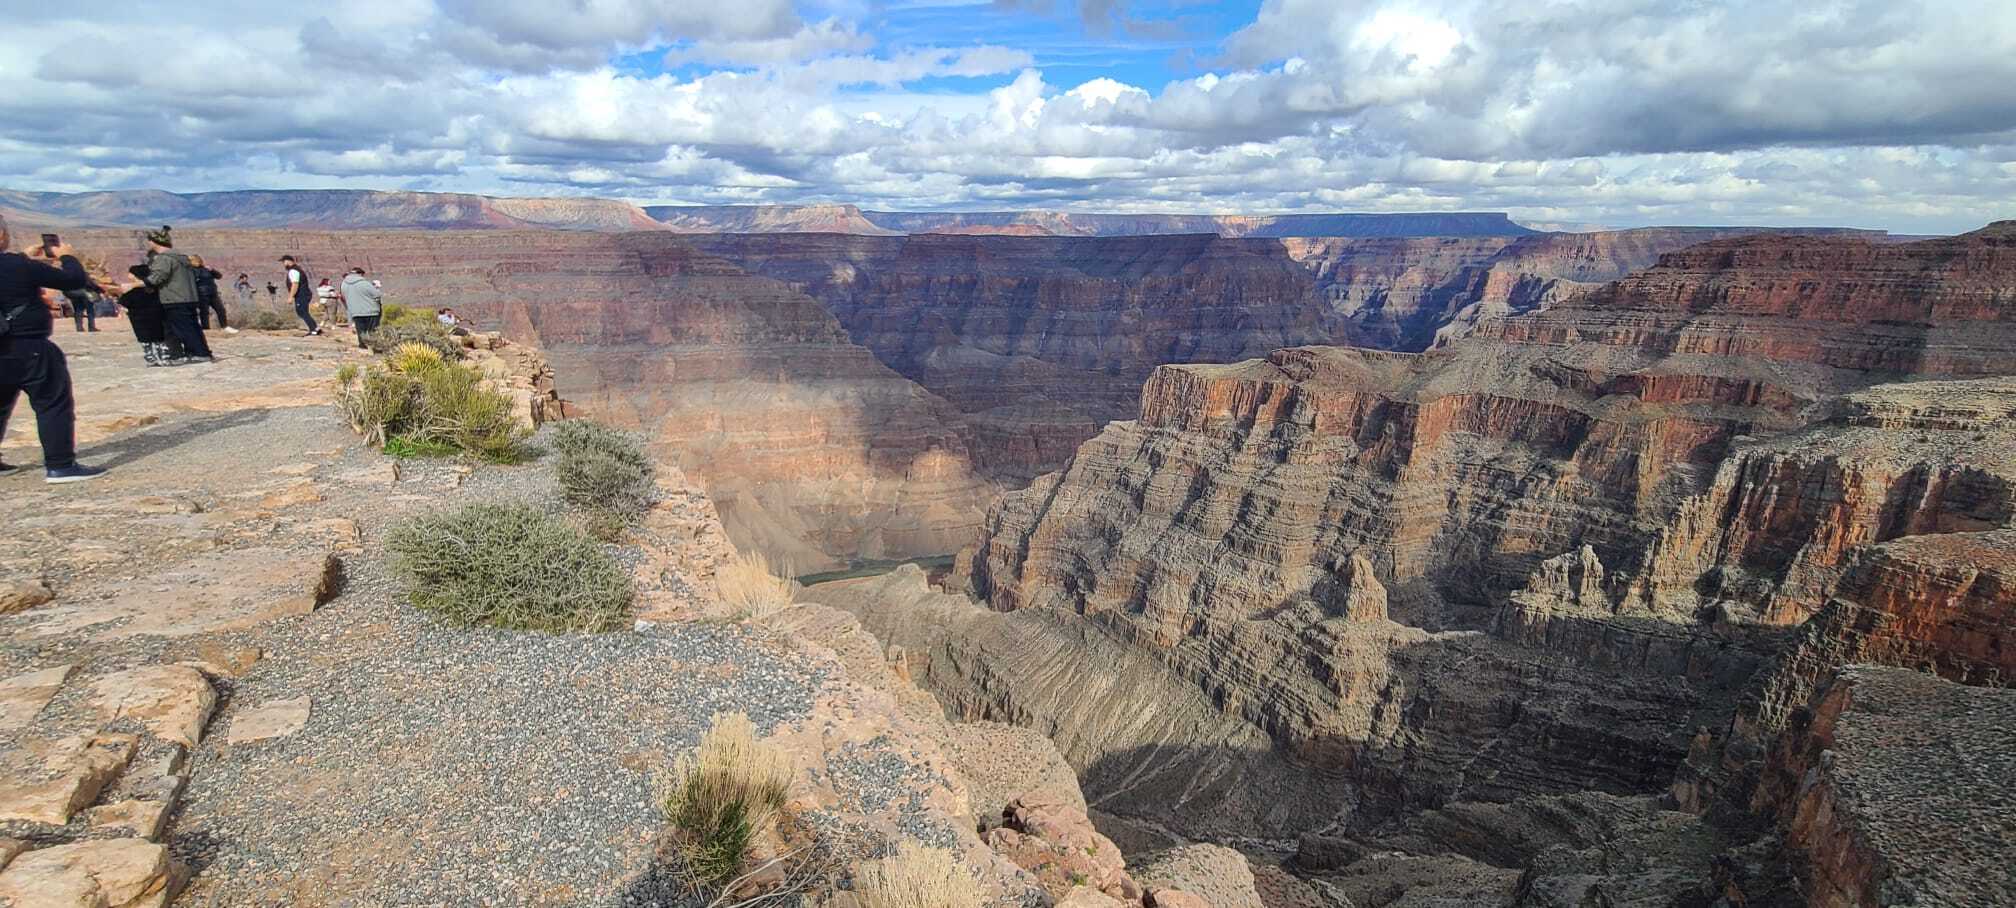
[[365, 302], [170, 273]]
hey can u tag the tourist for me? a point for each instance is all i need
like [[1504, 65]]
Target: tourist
[[448, 319], [326, 295], [83, 308], [365, 301], [32, 364], [272, 291], [211, 299], [299, 291], [245, 292], [143, 311], [169, 272]]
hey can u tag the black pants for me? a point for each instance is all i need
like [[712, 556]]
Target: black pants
[[307, 318], [203, 311], [365, 325], [84, 312], [36, 366], [181, 324]]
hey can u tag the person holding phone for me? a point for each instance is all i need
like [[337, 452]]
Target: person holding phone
[[33, 365]]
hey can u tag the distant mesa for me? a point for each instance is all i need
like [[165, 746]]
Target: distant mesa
[[353, 209], [850, 219]]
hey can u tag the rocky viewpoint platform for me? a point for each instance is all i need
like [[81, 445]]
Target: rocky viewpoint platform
[[211, 692]]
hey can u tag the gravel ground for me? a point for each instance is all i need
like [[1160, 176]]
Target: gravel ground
[[438, 765]]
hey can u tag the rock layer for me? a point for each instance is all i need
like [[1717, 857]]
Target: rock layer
[[810, 448], [1594, 524]]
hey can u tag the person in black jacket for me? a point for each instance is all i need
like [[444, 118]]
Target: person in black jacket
[[31, 363], [143, 312], [208, 298]]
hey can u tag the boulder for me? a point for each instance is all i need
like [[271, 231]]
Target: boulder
[[110, 873], [22, 595], [172, 701]]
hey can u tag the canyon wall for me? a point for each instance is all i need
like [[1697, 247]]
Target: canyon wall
[[1585, 548], [812, 449], [851, 219], [1042, 341]]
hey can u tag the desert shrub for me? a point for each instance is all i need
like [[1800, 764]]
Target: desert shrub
[[431, 406], [392, 314], [511, 566], [604, 473], [720, 797], [750, 588], [916, 877], [414, 359], [431, 334], [262, 319]]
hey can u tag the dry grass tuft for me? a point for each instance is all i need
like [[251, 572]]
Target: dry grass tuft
[[749, 586], [916, 877], [721, 797]]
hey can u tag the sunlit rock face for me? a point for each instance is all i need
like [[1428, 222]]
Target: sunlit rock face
[[811, 448], [1663, 480]]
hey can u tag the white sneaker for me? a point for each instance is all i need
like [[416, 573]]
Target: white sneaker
[[230, 331]]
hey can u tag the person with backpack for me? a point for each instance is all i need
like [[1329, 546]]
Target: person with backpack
[[32, 364], [301, 293], [170, 273]]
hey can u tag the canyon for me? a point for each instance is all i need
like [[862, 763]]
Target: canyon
[[1622, 547], [853, 398], [1655, 567]]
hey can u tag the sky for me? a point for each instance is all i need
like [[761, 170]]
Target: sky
[[1871, 113]]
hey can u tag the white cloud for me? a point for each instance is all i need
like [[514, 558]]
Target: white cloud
[[1624, 111]]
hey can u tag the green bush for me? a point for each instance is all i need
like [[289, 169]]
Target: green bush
[[604, 473], [431, 407], [721, 797], [431, 334], [510, 566], [393, 314]]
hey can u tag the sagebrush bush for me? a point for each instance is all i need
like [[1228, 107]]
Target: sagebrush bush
[[263, 319], [510, 566], [432, 404], [720, 797], [751, 588], [429, 333], [604, 473], [916, 877]]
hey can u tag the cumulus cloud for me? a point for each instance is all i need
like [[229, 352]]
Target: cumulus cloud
[[1618, 111]]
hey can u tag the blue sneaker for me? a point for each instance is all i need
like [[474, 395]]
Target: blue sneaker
[[75, 472]]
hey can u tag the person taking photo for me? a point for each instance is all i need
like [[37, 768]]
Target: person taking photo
[[30, 363]]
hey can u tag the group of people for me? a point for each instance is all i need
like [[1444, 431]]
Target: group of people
[[169, 305]]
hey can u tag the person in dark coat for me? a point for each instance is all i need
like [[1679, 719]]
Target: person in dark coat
[[30, 363], [208, 298], [143, 312]]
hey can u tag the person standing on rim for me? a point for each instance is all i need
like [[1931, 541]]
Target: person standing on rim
[[31, 363], [302, 294], [212, 300], [365, 302], [170, 272]]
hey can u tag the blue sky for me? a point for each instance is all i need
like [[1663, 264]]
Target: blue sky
[[1873, 113]]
